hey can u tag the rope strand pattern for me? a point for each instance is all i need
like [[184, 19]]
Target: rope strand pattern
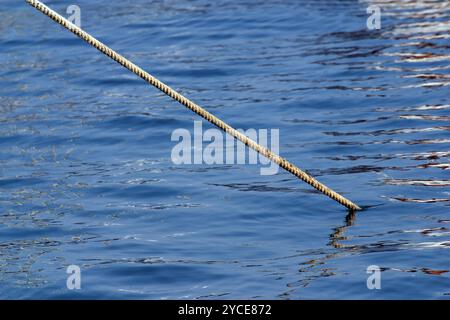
[[192, 106]]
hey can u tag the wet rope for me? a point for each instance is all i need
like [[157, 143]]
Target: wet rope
[[191, 105]]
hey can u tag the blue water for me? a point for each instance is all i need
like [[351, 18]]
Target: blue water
[[86, 176]]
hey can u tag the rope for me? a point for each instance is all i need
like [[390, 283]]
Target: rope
[[191, 105]]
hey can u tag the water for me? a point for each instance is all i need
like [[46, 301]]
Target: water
[[86, 176]]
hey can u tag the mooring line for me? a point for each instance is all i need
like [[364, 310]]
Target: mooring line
[[283, 163]]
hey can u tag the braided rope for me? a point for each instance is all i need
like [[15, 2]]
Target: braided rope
[[191, 105]]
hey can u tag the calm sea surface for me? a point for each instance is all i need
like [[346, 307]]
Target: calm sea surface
[[86, 176]]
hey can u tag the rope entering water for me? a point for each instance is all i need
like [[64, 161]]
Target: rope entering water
[[283, 163]]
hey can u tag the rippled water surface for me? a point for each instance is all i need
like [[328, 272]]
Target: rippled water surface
[[86, 176]]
